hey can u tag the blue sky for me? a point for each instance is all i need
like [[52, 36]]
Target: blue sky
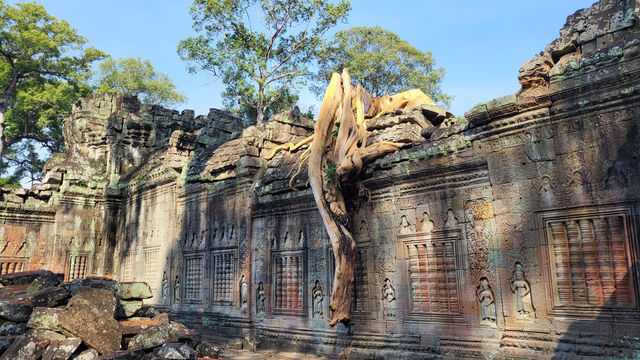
[[481, 44]]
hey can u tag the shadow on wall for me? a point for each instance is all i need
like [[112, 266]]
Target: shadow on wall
[[592, 338]]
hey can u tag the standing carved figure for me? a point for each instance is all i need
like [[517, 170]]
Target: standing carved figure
[[165, 286], [244, 291], [487, 302], [520, 287], [176, 289], [318, 297], [260, 298], [389, 299]]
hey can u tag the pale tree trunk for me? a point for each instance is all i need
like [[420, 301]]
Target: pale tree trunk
[[2, 139]]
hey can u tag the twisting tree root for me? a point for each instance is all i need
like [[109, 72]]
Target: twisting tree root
[[335, 158]]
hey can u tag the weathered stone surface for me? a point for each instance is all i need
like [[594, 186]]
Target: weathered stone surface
[[27, 277], [89, 354], [154, 336], [12, 328], [5, 341], [23, 348], [133, 291], [124, 355], [43, 334], [206, 349], [15, 309], [45, 318], [49, 297], [176, 351], [101, 299], [61, 349], [137, 326], [95, 327], [127, 308]]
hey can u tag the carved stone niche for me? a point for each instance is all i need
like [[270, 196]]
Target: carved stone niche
[[79, 265], [192, 277], [589, 253], [435, 266], [224, 267], [288, 282], [9, 265]]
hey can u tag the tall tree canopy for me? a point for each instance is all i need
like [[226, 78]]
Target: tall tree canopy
[[382, 62], [44, 68], [137, 77], [259, 49]]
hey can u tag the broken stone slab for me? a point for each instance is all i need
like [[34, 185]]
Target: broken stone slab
[[43, 334], [89, 354], [24, 348], [152, 337], [101, 299], [44, 282], [177, 351], [45, 318], [127, 308], [49, 297], [61, 349], [13, 291], [12, 328], [132, 327], [206, 349], [94, 282], [27, 277], [18, 310], [148, 311], [133, 290], [95, 327], [162, 318], [125, 355], [5, 342], [182, 332]]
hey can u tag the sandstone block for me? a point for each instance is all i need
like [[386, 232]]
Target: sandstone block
[[137, 326], [49, 297], [152, 337], [12, 328], [133, 290], [101, 299], [176, 351], [43, 334], [15, 310], [95, 327], [61, 349], [44, 318], [127, 308], [206, 349], [23, 348], [124, 355], [27, 277], [5, 342], [89, 354]]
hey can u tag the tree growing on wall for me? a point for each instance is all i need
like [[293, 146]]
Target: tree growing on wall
[[137, 77], [382, 62], [336, 154], [44, 68], [259, 49]]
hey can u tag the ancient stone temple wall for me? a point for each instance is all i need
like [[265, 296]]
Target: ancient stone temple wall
[[513, 233]]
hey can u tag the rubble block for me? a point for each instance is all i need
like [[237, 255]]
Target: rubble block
[[27, 277], [127, 308], [133, 291], [15, 310], [98, 330], [49, 297], [61, 349], [24, 348], [101, 299], [45, 318]]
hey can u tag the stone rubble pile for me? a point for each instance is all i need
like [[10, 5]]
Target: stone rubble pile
[[42, 317]]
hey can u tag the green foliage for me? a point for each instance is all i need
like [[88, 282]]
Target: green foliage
[[44, 68], [334, 134], [137, 77], [309, 113], [330, 171], [284, 101], [259, 49], [382, 62]]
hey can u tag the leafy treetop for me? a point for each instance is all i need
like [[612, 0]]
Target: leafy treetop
[[137, 77], [259, 49], [382, 62]]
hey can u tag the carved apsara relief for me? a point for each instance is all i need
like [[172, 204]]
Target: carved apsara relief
[[522, 293], [388, 300], [486, 298], [317, 299]]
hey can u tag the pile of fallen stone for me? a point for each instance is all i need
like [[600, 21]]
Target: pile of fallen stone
[[42, 317]]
